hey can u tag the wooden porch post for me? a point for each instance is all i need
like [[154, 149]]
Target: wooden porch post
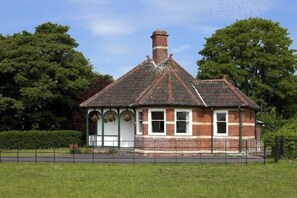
[[119, 128], [102, 133]]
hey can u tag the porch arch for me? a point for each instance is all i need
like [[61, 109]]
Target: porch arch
[[127, 125], [110, 127], [94, 127], [110, 135]]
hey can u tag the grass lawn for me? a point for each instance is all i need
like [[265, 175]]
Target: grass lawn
[[148, 180]]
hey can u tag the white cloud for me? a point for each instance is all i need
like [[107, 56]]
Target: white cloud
[[122, 18], [121, 23], [102, 26]]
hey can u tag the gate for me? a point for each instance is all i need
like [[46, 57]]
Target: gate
[[279, 151]]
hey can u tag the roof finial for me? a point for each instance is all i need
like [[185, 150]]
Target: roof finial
[[170, 55], [225, 77]]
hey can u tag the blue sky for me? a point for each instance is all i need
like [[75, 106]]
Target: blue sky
[[115, 34]]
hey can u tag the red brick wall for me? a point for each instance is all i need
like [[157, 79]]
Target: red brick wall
[[202, 126], [170, 129], [259, 132], [145, 120], [191, 144], [201, 130], [204, 115], [201, 122], [248, 122], [233, 130], [170, 115]]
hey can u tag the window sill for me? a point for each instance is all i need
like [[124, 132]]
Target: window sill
[[157, 134], [220, 135], [183, 134]]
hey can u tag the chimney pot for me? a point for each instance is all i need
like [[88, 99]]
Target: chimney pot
[[159, 41]]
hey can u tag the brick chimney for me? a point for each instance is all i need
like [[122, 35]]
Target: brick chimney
[[159, 38]]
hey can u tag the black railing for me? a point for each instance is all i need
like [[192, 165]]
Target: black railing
[[154, 154]]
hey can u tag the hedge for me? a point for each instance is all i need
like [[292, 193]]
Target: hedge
[[38, 139], [289, 133]]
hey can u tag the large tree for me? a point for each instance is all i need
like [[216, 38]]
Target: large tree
[[256, 56], [41, 77]]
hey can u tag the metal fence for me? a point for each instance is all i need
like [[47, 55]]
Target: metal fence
[[220, 153]]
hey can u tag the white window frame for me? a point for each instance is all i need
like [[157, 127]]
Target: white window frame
[[190, 126], [137, 122], [215, 127], [150, 132]]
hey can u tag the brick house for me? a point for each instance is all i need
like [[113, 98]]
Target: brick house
[[158, 106]]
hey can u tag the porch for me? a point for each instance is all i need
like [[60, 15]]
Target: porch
[[110, 127]]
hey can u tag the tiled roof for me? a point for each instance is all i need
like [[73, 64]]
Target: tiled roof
[[167, 84], [222, 93]]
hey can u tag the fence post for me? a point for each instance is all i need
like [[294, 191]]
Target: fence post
[[154, 152], [73, 157], [281, 145], [93, 155], [225, 151], [264, 152], [276, 152], [246, 152], [176, 151], [113, 151], [17, 155], [54, 155], [35, 155], [134, 153]]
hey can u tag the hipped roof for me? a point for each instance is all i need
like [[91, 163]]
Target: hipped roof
[[167, 84]]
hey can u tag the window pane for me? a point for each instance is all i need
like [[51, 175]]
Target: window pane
[[158, 126], [139, 115], [182, 115], [221, 116], [181, 127], [158, 115], [221, 127], [140, 126]]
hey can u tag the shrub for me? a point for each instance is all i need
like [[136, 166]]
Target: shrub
[[289, 133], [74, 149], [38, 139]]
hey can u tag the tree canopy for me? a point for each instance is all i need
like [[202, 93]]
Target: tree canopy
[[41, 77], [256, 56]]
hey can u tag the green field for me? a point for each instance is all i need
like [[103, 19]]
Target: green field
[[148, 180]]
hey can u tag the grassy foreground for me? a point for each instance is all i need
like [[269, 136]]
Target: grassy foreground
[[148, 180]]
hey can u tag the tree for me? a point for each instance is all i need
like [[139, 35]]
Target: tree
[[79, 116], [41, 77], [255, 54]]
